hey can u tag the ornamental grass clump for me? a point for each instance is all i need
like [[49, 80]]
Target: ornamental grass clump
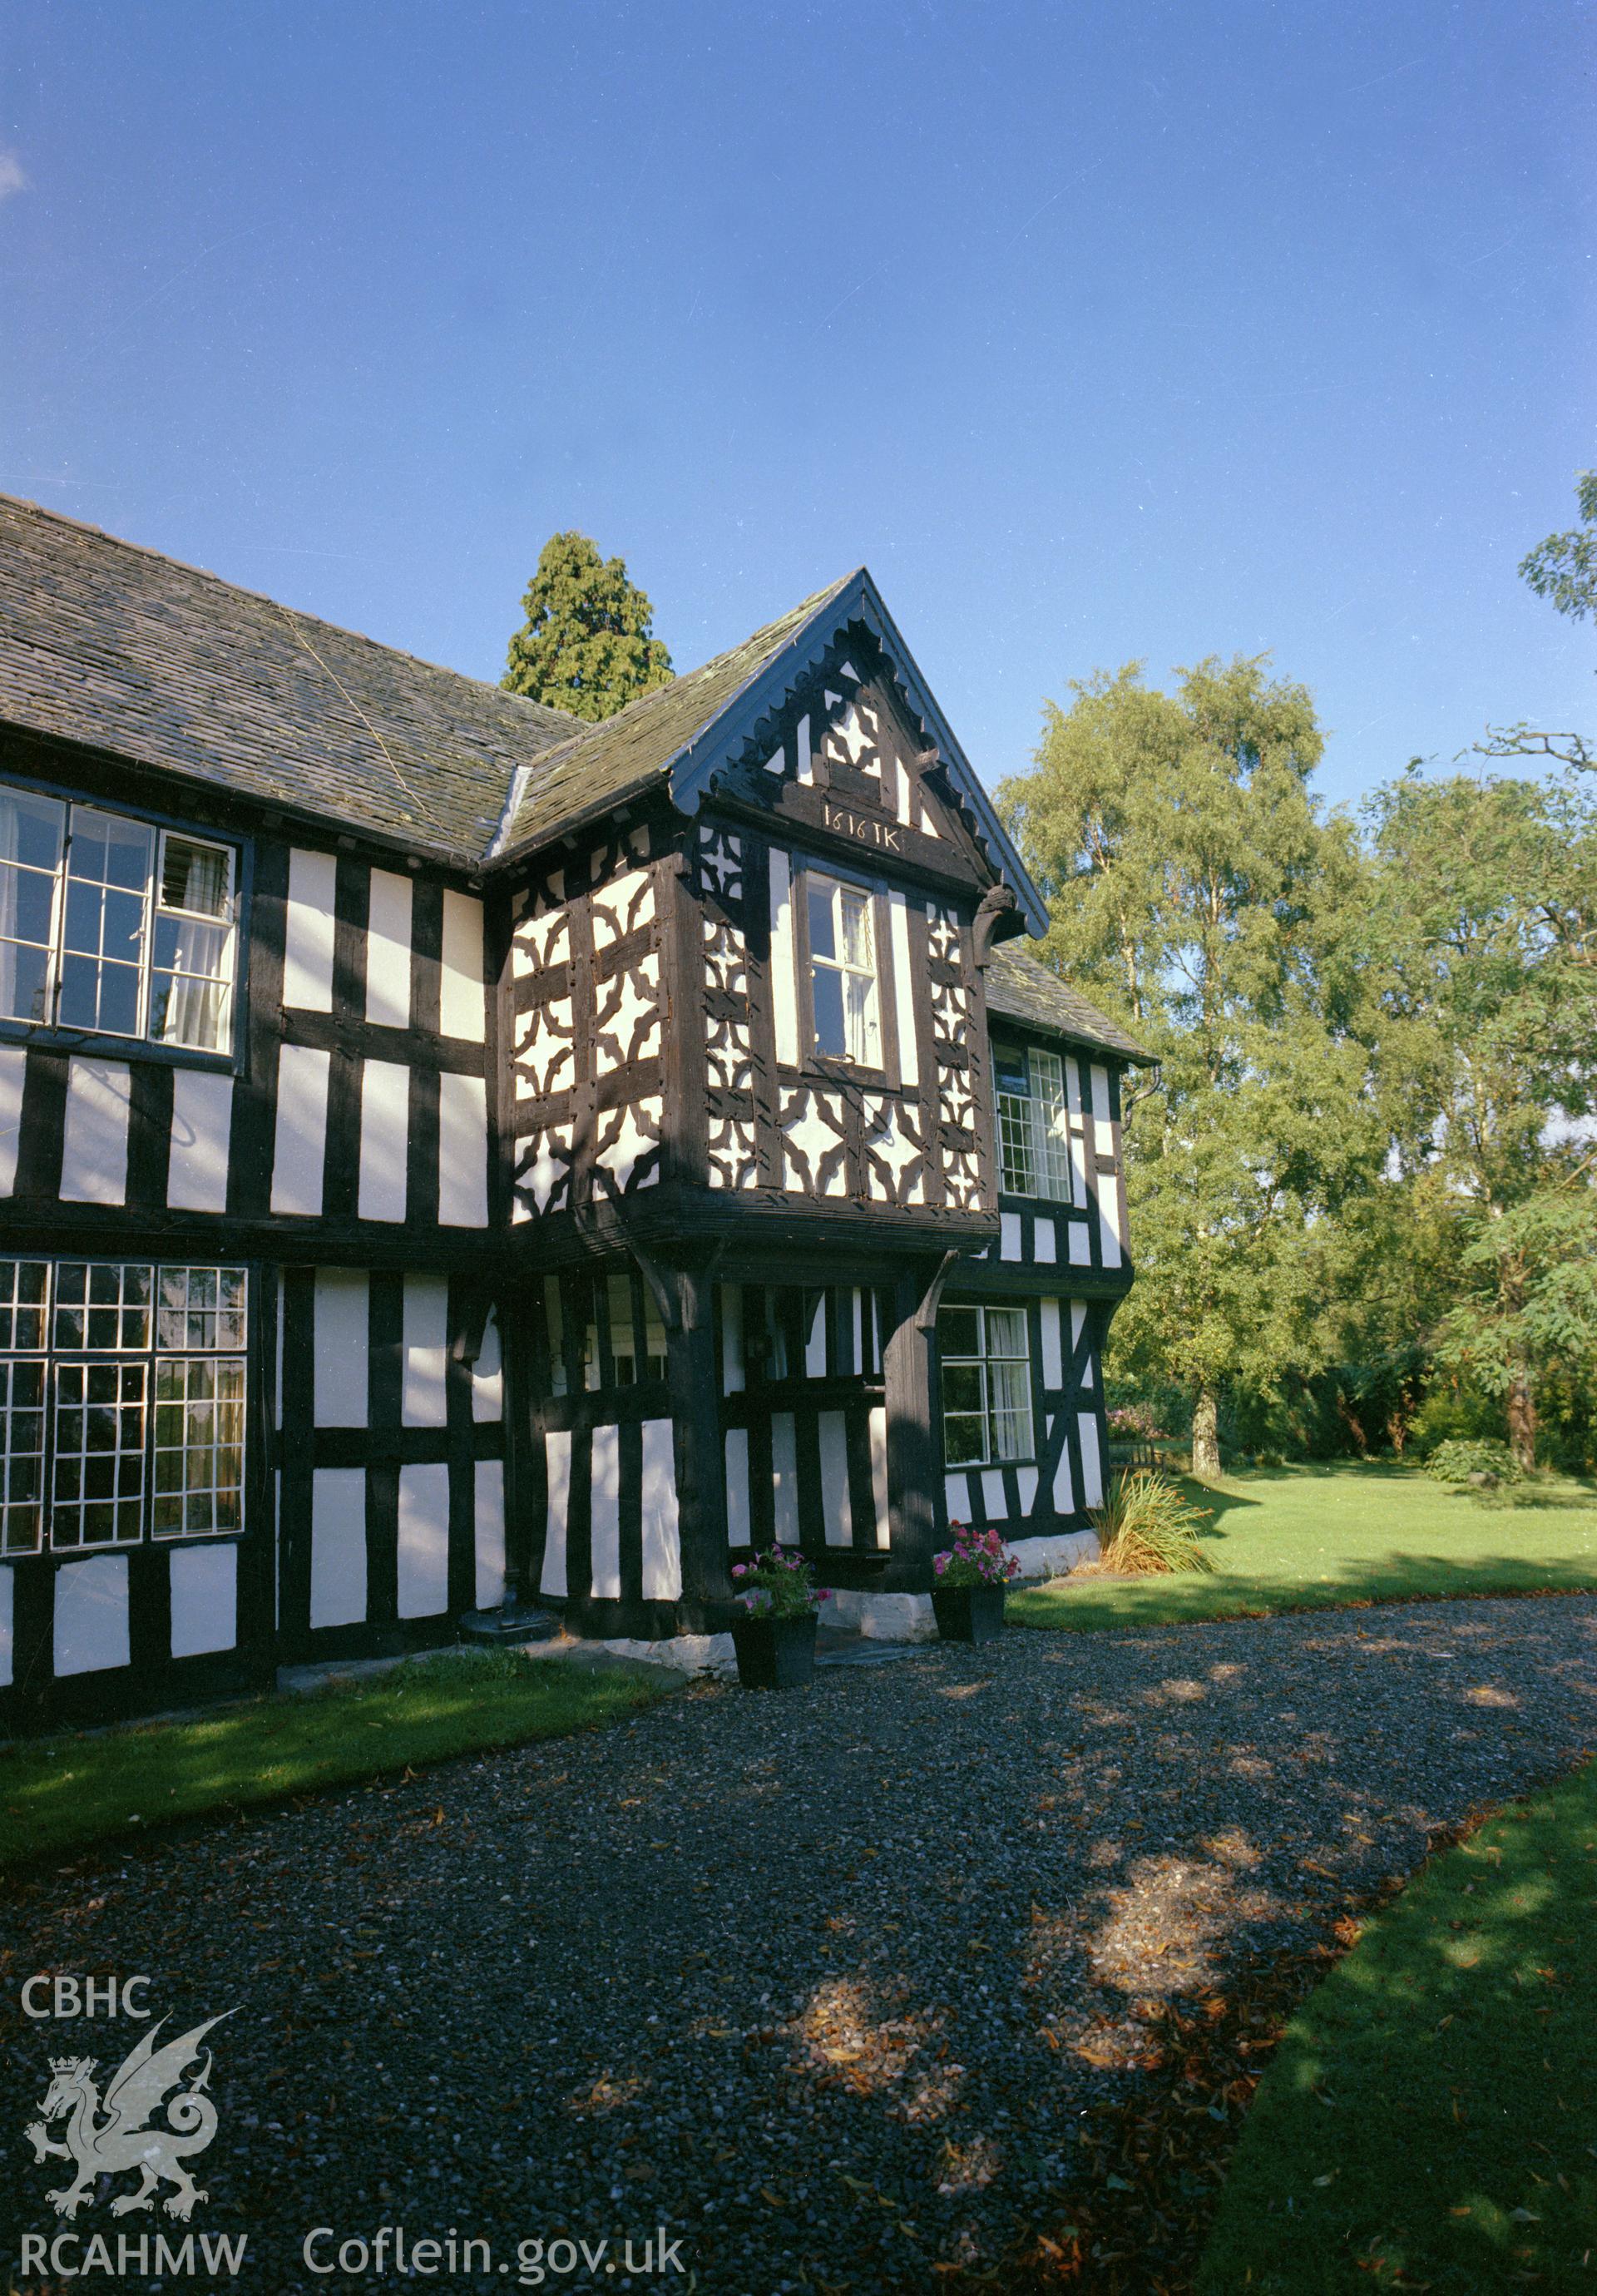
[[976, 1558], [777, 1585], [1147, 1525]]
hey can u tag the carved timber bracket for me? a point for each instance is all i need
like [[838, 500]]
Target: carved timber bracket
[[926, 1313], [677, 1291], [997, 917]]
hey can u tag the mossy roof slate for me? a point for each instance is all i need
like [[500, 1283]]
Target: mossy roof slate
[[603, 764], [1021, 989], [107, 643]]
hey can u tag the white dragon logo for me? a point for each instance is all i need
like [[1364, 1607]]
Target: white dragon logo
[[124, 2139]]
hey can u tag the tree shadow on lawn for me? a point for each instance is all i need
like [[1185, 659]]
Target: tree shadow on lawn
[[1093, 1604], [1431, 2111], [1157, 1984]]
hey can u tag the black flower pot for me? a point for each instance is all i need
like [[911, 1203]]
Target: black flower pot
[[774, 1653], [969, 1614]]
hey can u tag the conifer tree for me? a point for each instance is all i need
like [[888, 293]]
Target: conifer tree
[[587, 645]]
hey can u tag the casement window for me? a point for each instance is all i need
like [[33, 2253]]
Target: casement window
[[1034, 1124], [842, 957], [113, 927], [624, 1333], [986, 1386], [122, 1391]]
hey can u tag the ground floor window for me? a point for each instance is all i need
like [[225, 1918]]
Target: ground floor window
[[987, 1385], [122, 1391]]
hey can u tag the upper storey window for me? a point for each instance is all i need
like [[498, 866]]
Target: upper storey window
[[842, 954], [1034, 1130], [112, 927]]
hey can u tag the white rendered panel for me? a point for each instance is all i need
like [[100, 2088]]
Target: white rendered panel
[[903, 989], [487, 1373], [1108, 1212], [662, 1545], [1053, 1363], [995, 1506], [205, 1599], [341, 1346], [606, 1516], [13, 1069], [806, 763], [732, 1339], [1009, 1236], [1081, 1244], [558, 1457], [488, 1533], [858, 1361], [91, 1615], [785, 1477], [1043, 1241], [388, 951], [461, 1004], [94, 1165], [739, 1530], [424, 1541], [1064, 1496], [7, 1595], [307, 942], [1091, 1471], [384, 1139], [300, 1152], [1103, 1130], [423, 1398], [814, 1341], [784, 986], [201, 1126], [462, 1152], [338, 1546], [878, 1475], [956, 1494], [1026, 1478], [834, 1480]]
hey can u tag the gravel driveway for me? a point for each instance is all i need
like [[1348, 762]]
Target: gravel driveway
[[822, 1982]]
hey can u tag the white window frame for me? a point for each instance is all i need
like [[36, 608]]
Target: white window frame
[[983, 1363], [865, 1050], [225, 981], [1034, 1130]]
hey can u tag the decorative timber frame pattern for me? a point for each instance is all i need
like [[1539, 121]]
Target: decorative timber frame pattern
[[596, 1206]]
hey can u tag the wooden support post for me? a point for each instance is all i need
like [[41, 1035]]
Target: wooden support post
[[917, 1507], [701, 1463]]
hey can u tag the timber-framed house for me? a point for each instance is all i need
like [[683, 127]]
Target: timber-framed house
[[443, 1142]]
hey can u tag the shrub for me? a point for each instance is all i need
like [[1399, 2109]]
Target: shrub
[[1146, 1524], [976, 1558], [778, 1585], [1450, 1414], [1455, 1461], [1137, 1421]]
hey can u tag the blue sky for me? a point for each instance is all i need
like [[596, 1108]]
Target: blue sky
[[1095, 331]]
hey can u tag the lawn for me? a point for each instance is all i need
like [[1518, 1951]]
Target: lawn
[[1298, 1538], [58, 1794], [1431, 2117]]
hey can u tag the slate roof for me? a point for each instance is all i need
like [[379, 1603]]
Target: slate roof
[[1022, 989], [603, 764], [107, 643]]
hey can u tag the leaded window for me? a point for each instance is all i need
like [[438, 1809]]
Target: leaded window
[[985, 1362], [112, 927], [842, 955], [122, 1393], [1034, 1123]]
